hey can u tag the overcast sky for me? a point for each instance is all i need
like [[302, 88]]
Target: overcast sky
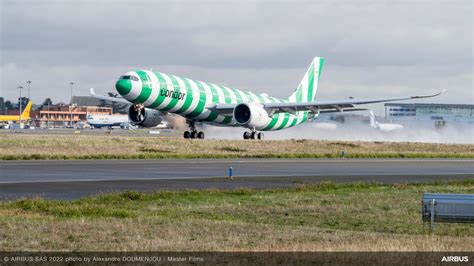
[[372, 48]]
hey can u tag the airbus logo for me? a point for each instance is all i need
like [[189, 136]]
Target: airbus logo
[[455, 259]]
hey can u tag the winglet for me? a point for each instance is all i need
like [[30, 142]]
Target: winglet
[[428, 96], [92, 92]]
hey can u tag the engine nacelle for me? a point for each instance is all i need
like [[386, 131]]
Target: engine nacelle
[[251, 115], [144, 117]]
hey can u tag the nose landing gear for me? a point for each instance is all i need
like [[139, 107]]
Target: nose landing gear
[[253, 135]]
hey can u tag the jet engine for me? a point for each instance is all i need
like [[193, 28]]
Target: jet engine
[[251, 115], [145, 117]]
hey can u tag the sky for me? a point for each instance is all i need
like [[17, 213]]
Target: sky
[[372, 49]]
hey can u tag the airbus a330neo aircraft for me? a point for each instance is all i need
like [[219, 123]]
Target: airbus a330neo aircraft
[[153, 93]]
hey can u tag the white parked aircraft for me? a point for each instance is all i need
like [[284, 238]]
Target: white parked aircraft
[[98, 121]]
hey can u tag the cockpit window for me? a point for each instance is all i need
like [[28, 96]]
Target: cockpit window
[[129, 77]]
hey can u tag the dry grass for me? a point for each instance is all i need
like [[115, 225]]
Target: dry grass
[[325, 217], [32, 146]]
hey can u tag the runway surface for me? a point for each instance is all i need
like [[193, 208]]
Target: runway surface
[[74, 179]]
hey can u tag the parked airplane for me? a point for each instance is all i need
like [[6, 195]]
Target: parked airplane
[[384, 127], [98, 121], [153, 92], [25, 115]]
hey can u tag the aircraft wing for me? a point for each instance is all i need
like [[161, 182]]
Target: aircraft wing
[[108, 98], [320, 106]]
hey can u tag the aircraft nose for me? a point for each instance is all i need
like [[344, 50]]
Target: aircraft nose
[[123, 86]]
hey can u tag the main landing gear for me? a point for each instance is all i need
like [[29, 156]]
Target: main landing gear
[[193, 134], [253, 135]]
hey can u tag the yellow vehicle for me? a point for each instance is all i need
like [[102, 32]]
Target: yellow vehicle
[[25, 115]]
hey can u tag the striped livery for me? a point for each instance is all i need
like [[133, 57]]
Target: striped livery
[[195, 99]]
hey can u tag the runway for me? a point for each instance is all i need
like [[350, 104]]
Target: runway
[[74, 179]]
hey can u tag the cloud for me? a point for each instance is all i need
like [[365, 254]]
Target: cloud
[[373, 48]]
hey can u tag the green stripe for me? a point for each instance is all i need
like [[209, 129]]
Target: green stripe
[[237, 95], [310, 83], [273, 122], [215, 95], [286, 118], [146, 89], [295, 119], [215, 99], [262, 100], [160, 98], [188, 98], [299, 94], [249, 97], [173, 102], [321, 63], [227, 98], [305, 117], [202, 101], [227, 120], [246, 96], [211, 117]]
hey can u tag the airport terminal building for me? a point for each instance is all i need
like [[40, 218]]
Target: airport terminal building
[[438, 114]]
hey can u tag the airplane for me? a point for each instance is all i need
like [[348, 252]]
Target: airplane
[[154, 94], [25, 115], [384, 127], [98, 121]]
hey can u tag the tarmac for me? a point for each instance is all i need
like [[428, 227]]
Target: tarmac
[[77, 178]]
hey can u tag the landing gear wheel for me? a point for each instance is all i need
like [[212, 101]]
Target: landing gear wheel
[[200, 135], [252, 135], [193, 134], [246, 135], [187, 134], [259, 135]]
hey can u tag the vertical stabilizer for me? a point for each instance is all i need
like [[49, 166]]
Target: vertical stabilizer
[[306, 90], [26, 113]]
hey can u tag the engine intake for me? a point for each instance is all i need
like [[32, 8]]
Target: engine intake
[[251, 115], [144, 117]]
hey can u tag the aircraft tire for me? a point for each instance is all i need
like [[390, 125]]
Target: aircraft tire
[[193, 134], [260, 135], [246, 135], [200, 135], [187, 135], [252, 135]]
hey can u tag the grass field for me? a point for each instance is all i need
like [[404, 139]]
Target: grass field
[[324, 217], [39, 146]]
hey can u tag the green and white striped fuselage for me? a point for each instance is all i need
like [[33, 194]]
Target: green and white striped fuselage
[[194, 99]]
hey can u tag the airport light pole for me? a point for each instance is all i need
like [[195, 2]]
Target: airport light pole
[[29, 84], [47, 117], [19, 115], [71, 84]]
